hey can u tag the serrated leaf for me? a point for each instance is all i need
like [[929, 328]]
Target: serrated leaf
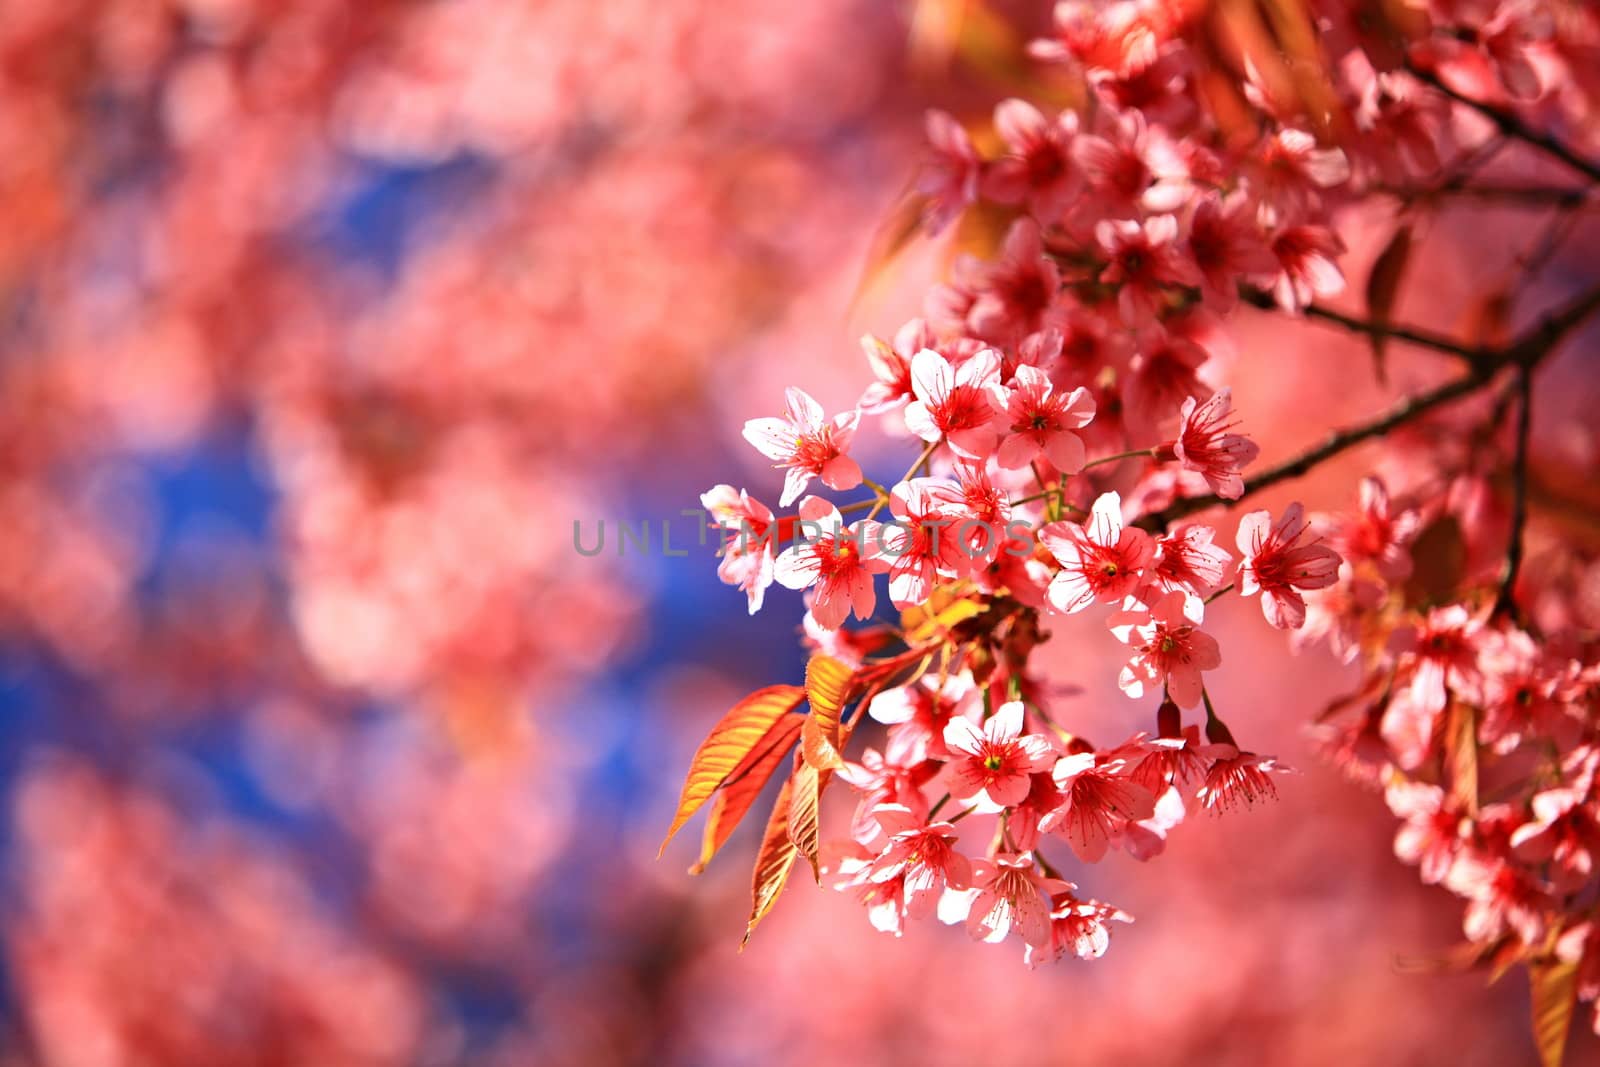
[[805, 812], [1461, 756], [1554, 985], [1462, 957], [1440, 556], [735, 736], [741, 788], [773, 863], [828, 684], [1383, 289]]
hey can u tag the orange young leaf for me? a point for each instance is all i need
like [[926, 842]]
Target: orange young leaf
[[805, 810], [739, 732], [902, 669], [1383, 288], [744, 785], [1554, 984], [923, 625], [773, 863], [894, 233], [828, 684], [1461, 755]]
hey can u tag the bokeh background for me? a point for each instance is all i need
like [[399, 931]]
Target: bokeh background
[[323, 323]]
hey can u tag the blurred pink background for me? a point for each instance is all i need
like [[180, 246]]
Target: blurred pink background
[[324, 322]]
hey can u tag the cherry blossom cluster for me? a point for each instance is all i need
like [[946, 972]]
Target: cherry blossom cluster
[[1483, 734], [1061, 395], [973, 529]]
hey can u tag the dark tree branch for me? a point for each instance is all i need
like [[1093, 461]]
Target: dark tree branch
[[1505, 604], [1474, 356], [1337, 442], [1530, 196], [1512, 126], [1525, 353]]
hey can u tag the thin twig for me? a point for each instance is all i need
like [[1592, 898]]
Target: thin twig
[[1119, 457], [1438, 342], [1510, 125], [1525, 353], [1337, 442], [883, 494], [1529, 196], [1505, 605]]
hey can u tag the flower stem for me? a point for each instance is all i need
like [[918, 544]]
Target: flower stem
[[1130, 454]]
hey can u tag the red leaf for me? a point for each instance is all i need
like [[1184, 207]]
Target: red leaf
[[773, 863], [805, 810], [741, 788], [1383, 288], [739, 733], [1554, 984], [1461, 756], [828, 685]]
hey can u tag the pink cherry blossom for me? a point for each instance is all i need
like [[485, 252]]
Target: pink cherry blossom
[[950, 177], [1037, 169], [1236, 777], [1168, 646], [1039, 421], [954, 404], [1290, 170], [1502, 895], [1012, 897], [921, 544], [838, 560], [980, 511], [1162, 376], [1100, 561], [891, 366], [1563, 835], [1206, 446], [1098, 799], [1524, 691], [747, 551], [850, 868], [1226, 245], [1279, 567], [919, 712], [1160, 763], [808, 445], [1437, 654], [1132, 168], [894, 776], [1013, 295], [1189, 559], [1078, 927], [1430, 835], [921, 857], [996, 761], [1143, 262], [1376, 535], [1307, 265]]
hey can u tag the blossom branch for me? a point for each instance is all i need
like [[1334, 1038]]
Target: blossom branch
[[1529, 196], [1510, 125], [1525, 354], [1505, 602], [1260, 298], [1337, 442]]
